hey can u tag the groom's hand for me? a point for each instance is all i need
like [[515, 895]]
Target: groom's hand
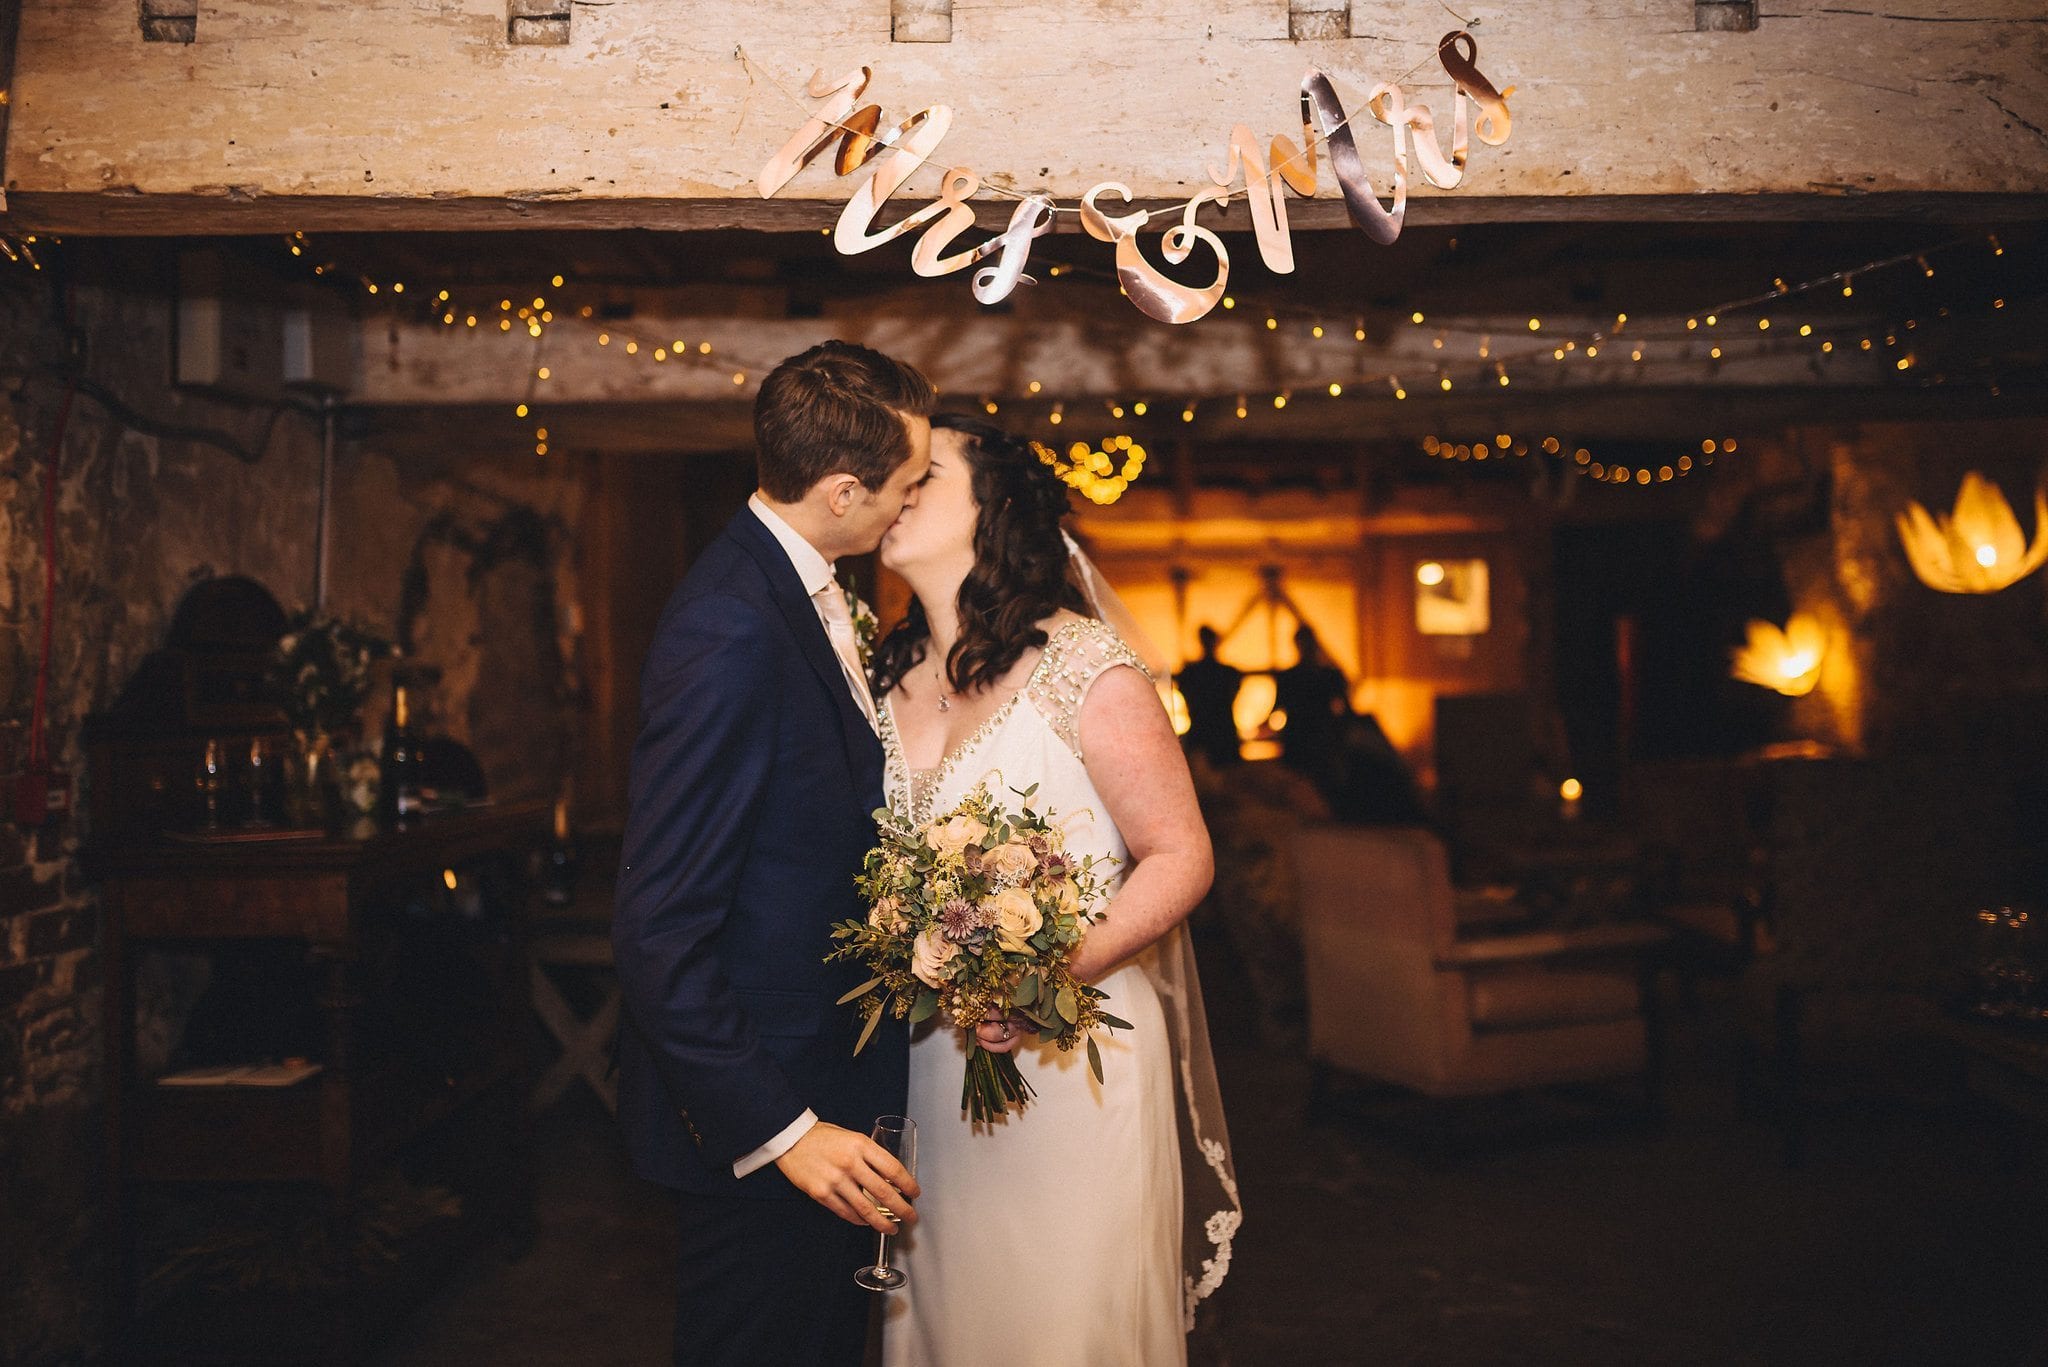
[[853, 1177]]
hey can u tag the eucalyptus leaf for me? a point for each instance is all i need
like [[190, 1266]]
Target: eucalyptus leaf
[[1117, 1021], [868, 1030], [927, 1003], [1065, 1004], [1094, 1059], [860, 991]]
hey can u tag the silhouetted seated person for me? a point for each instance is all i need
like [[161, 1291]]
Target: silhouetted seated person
[[1210, 689], [1377, 789]]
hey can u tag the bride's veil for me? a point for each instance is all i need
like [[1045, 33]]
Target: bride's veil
[[1212, 1211]]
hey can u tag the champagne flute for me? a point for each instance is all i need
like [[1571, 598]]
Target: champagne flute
[[898, 1135], [211, 779], [259, 761]]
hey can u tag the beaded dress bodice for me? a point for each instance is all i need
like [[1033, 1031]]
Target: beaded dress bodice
[[1075, 655]]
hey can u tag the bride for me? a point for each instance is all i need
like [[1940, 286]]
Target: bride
[[1085, 1228]]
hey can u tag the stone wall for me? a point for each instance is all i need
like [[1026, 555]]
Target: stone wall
[[139, 520], [468, 559]]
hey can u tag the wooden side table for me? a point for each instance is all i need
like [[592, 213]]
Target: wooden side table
[[349, 903]]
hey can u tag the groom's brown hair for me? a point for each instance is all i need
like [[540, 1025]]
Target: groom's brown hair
[[837, 407]]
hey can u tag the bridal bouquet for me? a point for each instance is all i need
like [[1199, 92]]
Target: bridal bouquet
[[978, 909]]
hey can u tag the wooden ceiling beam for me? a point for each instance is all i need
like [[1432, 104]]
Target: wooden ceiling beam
[[426, 115]]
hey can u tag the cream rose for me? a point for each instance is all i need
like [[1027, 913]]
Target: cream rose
[[930, 953], [1013, 862], [1070, 897], [887, 915], [956, 834], [1017, 919]]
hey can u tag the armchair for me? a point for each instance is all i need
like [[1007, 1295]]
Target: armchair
[[1396, 992]]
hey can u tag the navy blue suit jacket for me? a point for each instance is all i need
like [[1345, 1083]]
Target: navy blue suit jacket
[[754, 782]]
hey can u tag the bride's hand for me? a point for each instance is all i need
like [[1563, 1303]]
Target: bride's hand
[[1001, 1031]]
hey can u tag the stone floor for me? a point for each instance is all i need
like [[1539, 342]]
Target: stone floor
[[1917, 1234]]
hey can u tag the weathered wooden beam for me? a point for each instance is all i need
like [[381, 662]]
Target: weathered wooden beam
[[10, 21], [1306, 433], [238, 210], [1002, 356], [306, 116]]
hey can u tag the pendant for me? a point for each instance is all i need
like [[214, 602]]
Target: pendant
[[944, 706]]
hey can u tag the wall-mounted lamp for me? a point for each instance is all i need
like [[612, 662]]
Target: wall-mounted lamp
[[1785, 661], [1978, 549]]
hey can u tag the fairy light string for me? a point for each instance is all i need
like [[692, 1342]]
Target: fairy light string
[[1485, 355]]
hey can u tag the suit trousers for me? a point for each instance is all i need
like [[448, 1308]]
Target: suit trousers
[[768, 1282]]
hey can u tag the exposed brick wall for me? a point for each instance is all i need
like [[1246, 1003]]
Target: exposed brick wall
[[140, 520]]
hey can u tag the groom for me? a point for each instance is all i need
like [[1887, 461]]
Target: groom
[[753, 783]]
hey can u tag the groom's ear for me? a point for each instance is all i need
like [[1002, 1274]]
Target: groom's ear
[[842, 492]]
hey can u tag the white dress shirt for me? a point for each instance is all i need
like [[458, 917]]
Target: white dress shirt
[[816, 573]]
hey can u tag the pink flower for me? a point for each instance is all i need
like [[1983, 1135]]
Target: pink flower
[[931, 953], [1017, 919], [1012, 862], [962, 918], [887, 915]]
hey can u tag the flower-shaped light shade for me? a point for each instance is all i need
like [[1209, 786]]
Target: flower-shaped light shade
[[1786, 661], [1980, 549]]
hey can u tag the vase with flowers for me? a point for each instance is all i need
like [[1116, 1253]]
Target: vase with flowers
[[321, 675]]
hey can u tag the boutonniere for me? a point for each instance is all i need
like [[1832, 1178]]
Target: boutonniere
[[865, 626]]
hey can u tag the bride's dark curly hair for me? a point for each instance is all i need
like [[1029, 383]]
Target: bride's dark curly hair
[[1020, 575]]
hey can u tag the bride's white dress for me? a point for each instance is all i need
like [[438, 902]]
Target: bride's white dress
[[1054, 1235]]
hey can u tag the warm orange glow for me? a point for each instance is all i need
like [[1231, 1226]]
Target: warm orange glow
[[1571, 790], [448, 877], [1429, 574], [1785, 661], [1177, 710], [1254, 704], [1979, 548]]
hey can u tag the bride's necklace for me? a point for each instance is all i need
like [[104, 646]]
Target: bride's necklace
[[945, 696]]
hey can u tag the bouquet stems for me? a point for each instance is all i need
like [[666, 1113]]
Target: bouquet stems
[[993, 1084]]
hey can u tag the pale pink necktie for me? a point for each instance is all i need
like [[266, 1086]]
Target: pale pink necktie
[[838, 619]]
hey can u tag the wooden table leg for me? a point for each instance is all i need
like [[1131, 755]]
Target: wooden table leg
[[338, 1002]]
